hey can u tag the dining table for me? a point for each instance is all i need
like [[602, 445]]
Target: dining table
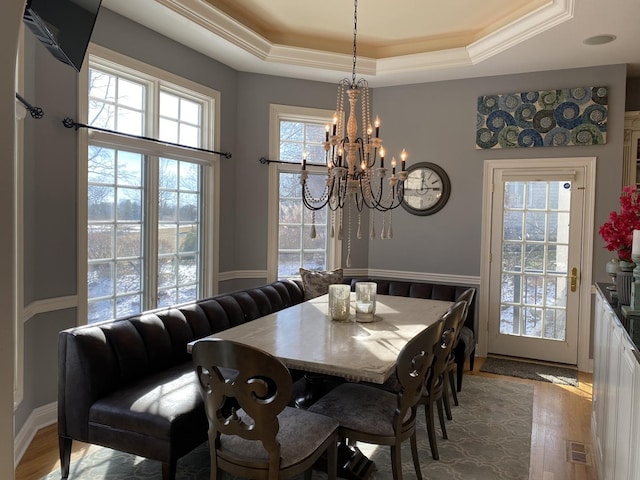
[[305, 338]]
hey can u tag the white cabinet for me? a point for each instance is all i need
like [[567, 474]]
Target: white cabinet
[[634, 474], [631, 166], [615, 420], [600, 366]]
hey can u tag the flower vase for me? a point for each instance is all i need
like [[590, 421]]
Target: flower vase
[[624, 279]]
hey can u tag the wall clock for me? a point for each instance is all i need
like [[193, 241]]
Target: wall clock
[[426, 189]]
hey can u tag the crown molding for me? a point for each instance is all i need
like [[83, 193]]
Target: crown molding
[[536, 22], [219, 23], [227, 28]]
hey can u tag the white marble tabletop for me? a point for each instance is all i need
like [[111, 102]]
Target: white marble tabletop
[[305, 338]]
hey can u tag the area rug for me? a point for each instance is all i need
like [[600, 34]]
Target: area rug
[[532, 371], [489, 439]]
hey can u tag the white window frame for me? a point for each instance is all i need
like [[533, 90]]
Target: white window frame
[[109, 60], [18, 373], [277, 113]]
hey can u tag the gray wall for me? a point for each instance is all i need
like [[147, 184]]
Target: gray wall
[[434, 122], [255, 94]]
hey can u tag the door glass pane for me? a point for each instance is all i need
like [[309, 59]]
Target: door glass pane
[[535, 259]]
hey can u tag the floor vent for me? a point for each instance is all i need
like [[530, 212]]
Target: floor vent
[[579, 453]]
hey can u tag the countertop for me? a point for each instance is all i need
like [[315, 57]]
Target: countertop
[[630, 323]]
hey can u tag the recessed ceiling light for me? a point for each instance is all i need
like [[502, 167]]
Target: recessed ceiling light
[[599, 39]]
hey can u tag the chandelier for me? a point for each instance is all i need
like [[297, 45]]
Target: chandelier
[[355, 178]]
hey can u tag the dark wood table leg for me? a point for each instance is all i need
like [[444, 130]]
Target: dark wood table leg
[[353, 464], [316, 385]]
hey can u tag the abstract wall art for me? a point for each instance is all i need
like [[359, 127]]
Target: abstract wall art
[[548, 118]]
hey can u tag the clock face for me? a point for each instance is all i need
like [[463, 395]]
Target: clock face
[[426, 189]]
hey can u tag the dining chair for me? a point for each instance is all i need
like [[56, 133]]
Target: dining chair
[[252, 432], [465, 346], [373, 415], [456, 362], [435, 384]]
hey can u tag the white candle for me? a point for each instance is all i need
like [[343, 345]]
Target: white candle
[[635, 246], [364, 307]]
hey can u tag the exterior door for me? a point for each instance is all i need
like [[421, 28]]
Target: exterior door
[[536, 230]]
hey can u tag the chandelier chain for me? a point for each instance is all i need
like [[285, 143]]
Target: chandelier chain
[[355, 48]]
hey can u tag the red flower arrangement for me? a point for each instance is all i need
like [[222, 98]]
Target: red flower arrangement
[[618, 231]]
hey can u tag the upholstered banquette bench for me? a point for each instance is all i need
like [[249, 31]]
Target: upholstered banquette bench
[[128, 384]]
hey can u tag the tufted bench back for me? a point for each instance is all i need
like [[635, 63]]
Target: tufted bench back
[[433, 291], [102, 357]]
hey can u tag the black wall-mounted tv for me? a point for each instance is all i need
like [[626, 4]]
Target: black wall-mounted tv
[[63, 26]]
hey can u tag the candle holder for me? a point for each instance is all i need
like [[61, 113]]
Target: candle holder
[[339, 302], [366, 301]]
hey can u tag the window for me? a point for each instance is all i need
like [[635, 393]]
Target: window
[[294, 131], [148, 240]]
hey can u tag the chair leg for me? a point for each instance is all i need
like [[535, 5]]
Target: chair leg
[[396, 462], [332, 461], [445, 397], [431, 432], [64, 444], [452, 385], [459, 373], [472, 358], [443, 426], [169, 470], [414, 454]]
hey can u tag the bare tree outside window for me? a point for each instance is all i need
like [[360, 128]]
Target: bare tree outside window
[[119, 254], [296, 247]]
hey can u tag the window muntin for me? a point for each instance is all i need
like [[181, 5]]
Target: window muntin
[[296, 248], [117, 103], [180, 120], [115, 233], [179, 232], [146, 224]]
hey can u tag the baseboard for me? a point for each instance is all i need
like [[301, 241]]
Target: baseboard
[[39, 418]]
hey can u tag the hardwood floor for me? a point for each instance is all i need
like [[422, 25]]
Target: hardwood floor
[[560, 415]]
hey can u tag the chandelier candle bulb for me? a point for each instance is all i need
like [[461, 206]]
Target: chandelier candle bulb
[[377, 125], [382, 152]]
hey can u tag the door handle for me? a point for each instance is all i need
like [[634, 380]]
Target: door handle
[[574, 278]]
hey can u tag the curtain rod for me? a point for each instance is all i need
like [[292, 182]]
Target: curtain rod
[[35, 112], [266, 161], [70, 123]]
